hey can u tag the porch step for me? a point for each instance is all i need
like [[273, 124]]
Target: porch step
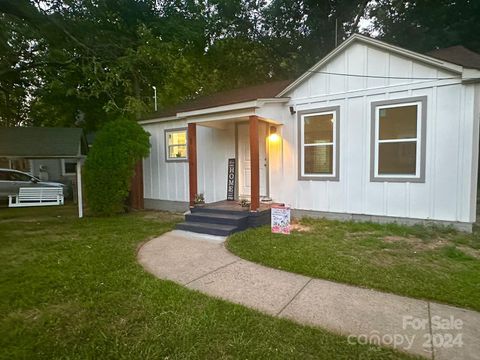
[[223, 220], [208, 228], [213, 210], [238, 219]]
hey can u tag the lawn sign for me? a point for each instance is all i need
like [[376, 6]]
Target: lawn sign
[[280, 219]]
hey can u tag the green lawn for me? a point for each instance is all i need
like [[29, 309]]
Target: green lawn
[[430, 263], [72, 289]]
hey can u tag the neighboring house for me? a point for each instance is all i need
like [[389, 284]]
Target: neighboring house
[[49, 169], [63, 170], [371, 132], [51, 154]]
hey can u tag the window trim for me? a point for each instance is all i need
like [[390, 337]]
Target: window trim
[[165, 139], [64, 173], [419, 177], [335, 176]]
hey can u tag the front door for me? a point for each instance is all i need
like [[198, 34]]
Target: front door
[[244, 168]]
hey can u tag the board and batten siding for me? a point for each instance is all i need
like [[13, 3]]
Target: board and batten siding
[[449, 190], [169, 180]]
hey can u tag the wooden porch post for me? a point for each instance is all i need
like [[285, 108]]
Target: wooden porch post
[[136, 190], [254, 164], [192, 161]]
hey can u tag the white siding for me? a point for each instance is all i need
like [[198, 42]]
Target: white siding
[[451, 134], [169, 180], [214, 148]]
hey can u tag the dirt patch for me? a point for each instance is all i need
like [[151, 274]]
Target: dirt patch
[[417, 243], [475, 253], [296, 225], [394, 239], [300, 227]]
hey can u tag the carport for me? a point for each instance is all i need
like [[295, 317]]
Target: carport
[[46, 143]]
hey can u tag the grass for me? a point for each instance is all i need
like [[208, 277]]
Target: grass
[[72, 289], [421, 262]]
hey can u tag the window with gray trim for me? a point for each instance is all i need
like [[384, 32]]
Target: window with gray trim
[[176, 144], [318, 140], [398, 140]]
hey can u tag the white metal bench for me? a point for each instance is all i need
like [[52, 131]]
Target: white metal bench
[[36, 196]]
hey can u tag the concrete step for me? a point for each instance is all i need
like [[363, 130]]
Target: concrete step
[[208, 228]]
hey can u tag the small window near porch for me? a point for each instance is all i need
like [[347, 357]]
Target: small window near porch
[[69, 167], [176, 144], [399, 137], [319, 145]]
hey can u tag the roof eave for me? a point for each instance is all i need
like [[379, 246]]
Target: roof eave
[[218, 109], [158, 119], [234, 106], [470, 76]]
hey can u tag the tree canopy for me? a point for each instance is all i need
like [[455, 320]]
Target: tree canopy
[[83, 63]]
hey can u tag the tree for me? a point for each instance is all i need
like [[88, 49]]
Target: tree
[[102, 59], [110, 164], [59, 58], [423, 25], [303, 31], [18, 75]]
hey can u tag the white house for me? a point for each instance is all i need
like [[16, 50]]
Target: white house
[[371, 132]]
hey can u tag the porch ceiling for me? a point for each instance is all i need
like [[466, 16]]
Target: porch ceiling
[[221, 124]]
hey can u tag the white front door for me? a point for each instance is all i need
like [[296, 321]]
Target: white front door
[[244, 167]]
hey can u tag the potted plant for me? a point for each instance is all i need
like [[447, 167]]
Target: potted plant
[[199, 200]]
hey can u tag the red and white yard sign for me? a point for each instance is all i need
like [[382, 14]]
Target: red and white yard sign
[[280, 219]]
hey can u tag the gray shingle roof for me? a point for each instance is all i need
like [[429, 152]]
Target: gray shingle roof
[[459, 55], [42, 142], [227, 97]]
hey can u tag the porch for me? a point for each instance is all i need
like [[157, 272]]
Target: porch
[[247, 186], [252, 151]]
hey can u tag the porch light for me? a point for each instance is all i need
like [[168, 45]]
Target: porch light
[[273, 137]]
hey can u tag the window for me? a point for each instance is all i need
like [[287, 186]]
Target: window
[[69, 167], [176, 144], [398, 149], [319, 137]]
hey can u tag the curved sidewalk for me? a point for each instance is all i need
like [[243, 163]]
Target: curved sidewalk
[[202, 263]]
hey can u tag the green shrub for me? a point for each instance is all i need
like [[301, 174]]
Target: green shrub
[[110, 165]]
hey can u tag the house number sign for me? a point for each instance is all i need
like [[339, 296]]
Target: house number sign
[[231, 180]]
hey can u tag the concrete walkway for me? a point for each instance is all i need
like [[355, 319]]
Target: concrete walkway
[[202, 263]]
